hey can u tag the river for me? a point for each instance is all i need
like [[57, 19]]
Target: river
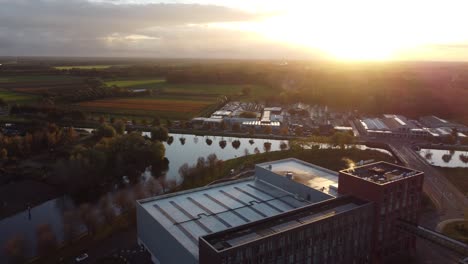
[[183, 149], [445, 158]]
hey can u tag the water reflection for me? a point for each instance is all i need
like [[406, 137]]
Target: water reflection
[[445, 158]]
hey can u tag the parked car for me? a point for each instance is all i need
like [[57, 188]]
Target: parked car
[[82, 257]]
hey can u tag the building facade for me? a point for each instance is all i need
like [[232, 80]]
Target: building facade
[[396, 193], [291, 211]]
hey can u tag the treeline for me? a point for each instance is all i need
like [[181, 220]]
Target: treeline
[[113, 159], [93, 89], [35, 141], [49, 112], [203, 170]]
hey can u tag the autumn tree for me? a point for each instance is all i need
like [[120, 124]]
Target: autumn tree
[[15, 248], [46, 240]]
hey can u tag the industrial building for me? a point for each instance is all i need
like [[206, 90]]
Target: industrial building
[[429, 127], [290, 212]]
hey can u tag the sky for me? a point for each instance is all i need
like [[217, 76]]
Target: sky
[[257, 29]]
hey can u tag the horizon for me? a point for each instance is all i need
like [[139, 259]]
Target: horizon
[[204, 29]]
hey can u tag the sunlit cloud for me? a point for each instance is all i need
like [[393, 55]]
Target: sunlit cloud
[[344, 30]]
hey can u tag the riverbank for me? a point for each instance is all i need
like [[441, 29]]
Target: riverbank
[[333, 159], [15, 197]]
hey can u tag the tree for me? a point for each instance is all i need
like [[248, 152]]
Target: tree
[[267, 146], [236, 144], [159, 133], [284, 131], [3, 154], [283, 145], [168, 123], [156, 121], [246, 90], [267, 130], [236, 127], [184, 172], [70, 225], [89, 218], [105, 130], [342, 139], [119, 127], [299, 131], [222, 144], [15, 249], [223, 125], [46, 240], [170, 140], [247, 114]]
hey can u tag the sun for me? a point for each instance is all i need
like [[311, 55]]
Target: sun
[[364, 29]]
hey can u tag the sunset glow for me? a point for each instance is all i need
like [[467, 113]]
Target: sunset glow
[[365, 30]]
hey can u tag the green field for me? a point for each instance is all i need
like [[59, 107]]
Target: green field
[[189, 100], [168, 107], [208, 89], [137, 83], [257, 92], [457, 230], [36, 78], [12, 97], [84, 67]]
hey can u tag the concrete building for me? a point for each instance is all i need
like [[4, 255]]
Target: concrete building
[[396, 194], [290, 212], [395, 126]]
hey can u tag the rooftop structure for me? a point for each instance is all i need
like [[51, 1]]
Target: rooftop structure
[[285, 212], [396, 193], [221, 114], [187, 216], [310, 175], [381, 172], [436, 122], [273, 109], [261, 124], [266, 117], [302, 216]]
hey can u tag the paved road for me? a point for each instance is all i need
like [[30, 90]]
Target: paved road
[[449, 201]]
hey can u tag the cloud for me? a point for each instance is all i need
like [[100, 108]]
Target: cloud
[[83, 28]]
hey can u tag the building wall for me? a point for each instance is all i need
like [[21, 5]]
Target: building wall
[[291, 186], [159, 242], [344, 238], [394, 200]]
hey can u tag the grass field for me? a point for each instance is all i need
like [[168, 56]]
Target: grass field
[[167, 107], [35, 78], [174, 101], [457, 230], [84, 67], [12, 97], [137, 83]]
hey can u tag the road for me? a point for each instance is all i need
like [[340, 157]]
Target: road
[[449, 201]]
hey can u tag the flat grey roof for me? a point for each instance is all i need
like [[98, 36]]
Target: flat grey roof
[[305, 215], [381, 172], [191, 214], [311, 175]]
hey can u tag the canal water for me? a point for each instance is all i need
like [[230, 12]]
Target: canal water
[[183, 149], [445, 158]]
